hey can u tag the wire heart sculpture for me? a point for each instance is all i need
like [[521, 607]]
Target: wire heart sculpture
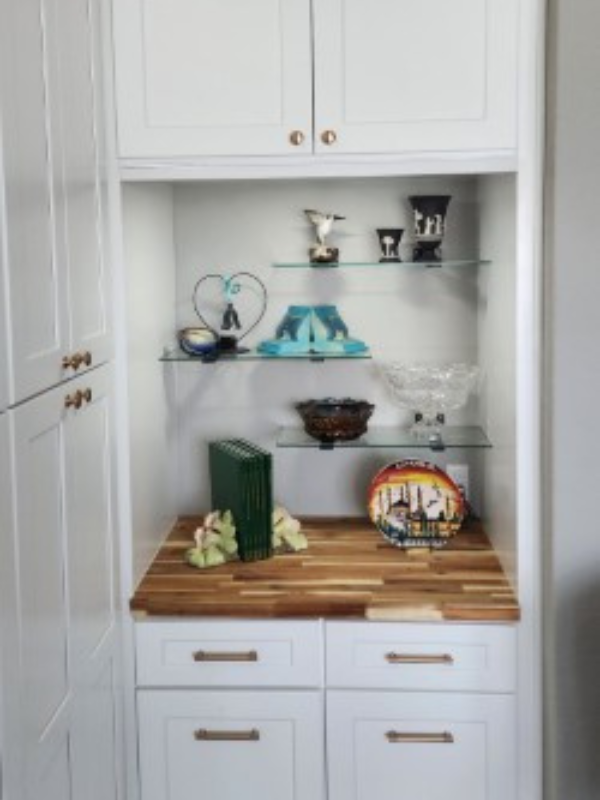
[[231, 287]]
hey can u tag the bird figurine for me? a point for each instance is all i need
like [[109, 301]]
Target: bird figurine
[[323, 223]]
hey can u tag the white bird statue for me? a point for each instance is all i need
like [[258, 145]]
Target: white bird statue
[[323, 223]]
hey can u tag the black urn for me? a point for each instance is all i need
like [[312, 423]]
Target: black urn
[[429, 216], [389, 242]]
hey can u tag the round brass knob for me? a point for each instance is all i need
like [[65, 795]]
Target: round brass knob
[[297, 138], [86, 358], [74, 400], [72, 362], [329, 137], [87, 395]]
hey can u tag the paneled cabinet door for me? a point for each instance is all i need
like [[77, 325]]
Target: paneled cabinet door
[[403, 76], [62, 557], [32, 176], [6, 592], [213, 77], [402, 746], [3, 329], [231, 745], [58, 283], [78, 39]]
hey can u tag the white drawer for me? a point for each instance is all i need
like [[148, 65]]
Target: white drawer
[[421, 746], [222, 654], [231, 745], [371, 655]]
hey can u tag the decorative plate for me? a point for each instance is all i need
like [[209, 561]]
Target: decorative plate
[[415, 504]]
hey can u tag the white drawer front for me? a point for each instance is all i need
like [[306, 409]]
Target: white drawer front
[[212, 654], [231, 745], [478, 658], [415, 746]]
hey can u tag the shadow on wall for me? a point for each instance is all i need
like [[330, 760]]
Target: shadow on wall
[[576, 706]]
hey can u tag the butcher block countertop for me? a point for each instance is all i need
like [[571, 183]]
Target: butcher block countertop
[[348, 571]]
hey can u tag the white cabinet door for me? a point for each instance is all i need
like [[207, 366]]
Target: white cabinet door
[[3, 278], [89, 517], [213, 77], [58, 566], [403, 76], [32, 172], [404, 746], [58, 287], [229, 745], [7, 596], [41, 690], [75, 39]]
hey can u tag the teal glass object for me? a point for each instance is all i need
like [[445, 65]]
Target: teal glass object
[[312, 329]]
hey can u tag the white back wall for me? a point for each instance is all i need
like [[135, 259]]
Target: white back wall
[[150, 287], [498, 357], [406, 313]]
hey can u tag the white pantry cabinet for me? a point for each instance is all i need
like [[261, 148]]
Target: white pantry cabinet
[[58, 281], [220, 78], [58, 589]]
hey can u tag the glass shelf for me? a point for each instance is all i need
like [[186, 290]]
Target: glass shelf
[[466, 437], [178, 356], [472, 262]]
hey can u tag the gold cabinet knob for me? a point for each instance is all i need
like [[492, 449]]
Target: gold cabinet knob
[[297, 138], [86, 358], [74, 400], [87, 395], [329, 137], [72, 362]]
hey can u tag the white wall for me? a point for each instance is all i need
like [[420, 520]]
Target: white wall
[[498, 355], [149, 257], [404, 313], [572, 531]]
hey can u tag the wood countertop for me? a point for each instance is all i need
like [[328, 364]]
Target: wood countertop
[[348, 571]]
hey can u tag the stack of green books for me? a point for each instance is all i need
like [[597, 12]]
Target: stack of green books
[[240, 474]]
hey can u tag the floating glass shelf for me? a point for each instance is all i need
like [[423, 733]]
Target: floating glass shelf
[[471, 262], [178, 356], [466, 437]]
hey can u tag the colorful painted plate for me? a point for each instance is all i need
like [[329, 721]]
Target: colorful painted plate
[[415, 504]]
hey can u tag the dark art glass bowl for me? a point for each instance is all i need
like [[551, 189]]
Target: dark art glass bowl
[[335, 420]]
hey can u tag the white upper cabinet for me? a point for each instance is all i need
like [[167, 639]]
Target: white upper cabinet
[[57, 276], [213, 77], [400, 75], [223, 78]]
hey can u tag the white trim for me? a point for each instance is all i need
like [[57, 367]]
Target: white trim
[[529, 371], [450, 163]]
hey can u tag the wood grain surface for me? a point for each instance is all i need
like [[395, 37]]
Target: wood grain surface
[[348, 571]]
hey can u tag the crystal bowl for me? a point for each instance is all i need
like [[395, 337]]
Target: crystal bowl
[[332, 420], [430, 391]]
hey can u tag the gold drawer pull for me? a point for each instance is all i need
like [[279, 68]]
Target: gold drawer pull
[[396, 737], [204, 735], [329, 137], [408, 658], [205, 656]]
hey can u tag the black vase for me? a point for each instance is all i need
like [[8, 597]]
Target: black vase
[[429, 215], [389, 242]]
